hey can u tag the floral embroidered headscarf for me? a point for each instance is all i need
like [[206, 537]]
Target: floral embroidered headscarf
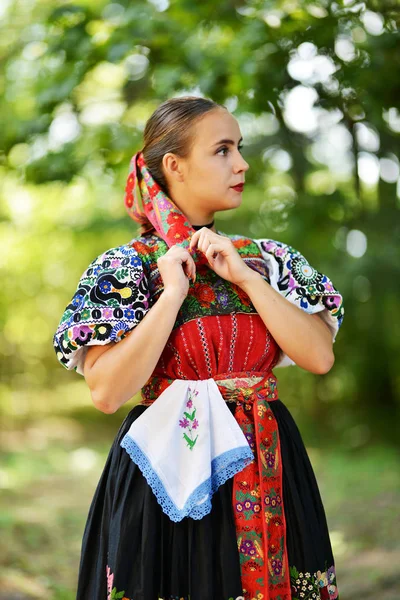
[[146, 201]]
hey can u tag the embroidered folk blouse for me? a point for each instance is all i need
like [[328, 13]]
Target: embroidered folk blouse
[[121, 284]]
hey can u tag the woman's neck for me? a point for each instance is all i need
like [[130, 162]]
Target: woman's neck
[[209, 225]]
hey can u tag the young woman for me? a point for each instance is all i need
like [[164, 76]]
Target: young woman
[[208, 492]]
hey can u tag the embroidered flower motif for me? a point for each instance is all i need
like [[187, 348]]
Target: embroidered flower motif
[[112, 593], [322, 578], [129, 313], [247, 547], [331, 574], [314, 586], [273, 547], [333, 592], [110, 580], [276, 565], [268, 516], [189, 421], [252, 565], [118, 331]]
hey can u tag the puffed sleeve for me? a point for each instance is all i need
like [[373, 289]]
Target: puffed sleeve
[[292, 276], [111, 298]]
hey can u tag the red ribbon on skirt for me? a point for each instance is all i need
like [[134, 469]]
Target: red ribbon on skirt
[[257, 497]]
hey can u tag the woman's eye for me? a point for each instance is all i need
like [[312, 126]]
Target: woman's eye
[[226, 148]]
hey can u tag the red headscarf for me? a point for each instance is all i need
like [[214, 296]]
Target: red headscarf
[[145, 201]]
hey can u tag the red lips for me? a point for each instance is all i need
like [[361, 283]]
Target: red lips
[[238, 188]]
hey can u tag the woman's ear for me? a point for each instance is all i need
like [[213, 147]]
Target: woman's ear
[[173, 167]]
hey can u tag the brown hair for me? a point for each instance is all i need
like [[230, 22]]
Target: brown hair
[[170, 129]]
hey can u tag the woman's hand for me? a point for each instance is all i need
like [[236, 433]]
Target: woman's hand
[[222, 255], [176, 266]]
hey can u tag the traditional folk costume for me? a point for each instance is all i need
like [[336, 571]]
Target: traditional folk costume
[[208, 492]]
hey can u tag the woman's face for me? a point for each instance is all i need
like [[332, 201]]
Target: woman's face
[[202, 183]]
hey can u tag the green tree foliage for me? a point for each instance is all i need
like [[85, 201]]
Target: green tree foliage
[[315, 88]]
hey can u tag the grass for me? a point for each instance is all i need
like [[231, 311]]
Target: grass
[[51, 465]]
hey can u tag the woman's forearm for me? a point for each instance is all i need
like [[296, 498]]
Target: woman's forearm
[[119, 372], [305, 338]]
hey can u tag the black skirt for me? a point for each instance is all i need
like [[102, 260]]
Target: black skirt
[[132, 550]]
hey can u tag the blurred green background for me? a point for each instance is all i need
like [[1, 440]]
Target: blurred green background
[[315, 88]]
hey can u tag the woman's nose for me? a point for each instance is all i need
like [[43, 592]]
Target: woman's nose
[[241, 165]]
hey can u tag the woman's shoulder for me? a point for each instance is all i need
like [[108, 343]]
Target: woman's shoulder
[[149, 247], [246, 239], [110, 298], [261, 248], [239, 240], [140, 246]]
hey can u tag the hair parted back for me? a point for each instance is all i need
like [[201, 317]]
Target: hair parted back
[[170, 129]]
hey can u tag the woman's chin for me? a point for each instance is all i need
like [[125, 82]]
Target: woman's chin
[[228, 202], [236, 199]]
